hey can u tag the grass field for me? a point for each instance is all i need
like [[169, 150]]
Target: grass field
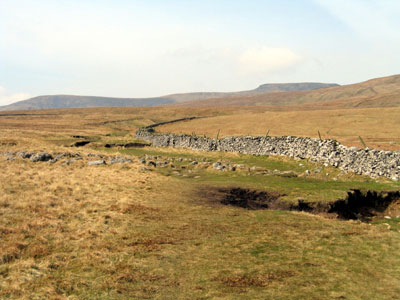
[[378, 127], [134, 232]]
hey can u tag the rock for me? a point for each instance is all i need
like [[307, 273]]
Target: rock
[[218, 166], [151, 163], [239, 166], [24, 154], [60, 156], [96, 162], [231, 168], [307, 172], [194, 162], [257, 168], [68, 162], [43, 156], [119, 160], [288, 174], [142, 160]]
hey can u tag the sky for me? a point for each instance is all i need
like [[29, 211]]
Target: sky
[[137, 48]]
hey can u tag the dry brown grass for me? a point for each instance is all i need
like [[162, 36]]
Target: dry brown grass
[[112, 232], [57, 217], [115, 232], [94, 120], [379, 128]]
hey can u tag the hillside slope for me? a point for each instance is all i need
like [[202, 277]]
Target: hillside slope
[[71, 101], [378, 92]]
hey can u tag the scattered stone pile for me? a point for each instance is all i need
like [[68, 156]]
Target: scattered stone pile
[[66, 158], [184, 164], [367, 162]]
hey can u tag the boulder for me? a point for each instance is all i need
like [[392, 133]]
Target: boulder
[[42, 156], [96, 162]]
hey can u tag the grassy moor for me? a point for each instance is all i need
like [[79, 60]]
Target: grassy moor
[[70, 230]]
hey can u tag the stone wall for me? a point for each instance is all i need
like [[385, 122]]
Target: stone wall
[[367, 162]]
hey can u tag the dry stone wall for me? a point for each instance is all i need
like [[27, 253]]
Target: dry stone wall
[[367, 162]]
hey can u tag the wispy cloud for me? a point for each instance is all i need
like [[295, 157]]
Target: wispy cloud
[[368, 18], [8, 98]]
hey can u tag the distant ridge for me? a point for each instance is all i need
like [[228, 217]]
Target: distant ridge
[[262, 89], [378, 92], [72, 101]]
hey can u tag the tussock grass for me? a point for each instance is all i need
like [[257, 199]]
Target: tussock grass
[[117, 232]]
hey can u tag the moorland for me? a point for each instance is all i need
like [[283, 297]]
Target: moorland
[[110, 217]]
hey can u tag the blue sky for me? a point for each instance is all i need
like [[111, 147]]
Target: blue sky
[[151, 48]]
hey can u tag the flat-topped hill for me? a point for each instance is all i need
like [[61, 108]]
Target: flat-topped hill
[[380, 92]]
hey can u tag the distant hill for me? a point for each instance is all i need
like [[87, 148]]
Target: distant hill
[[262, 89], [379, 92], [71, 101]]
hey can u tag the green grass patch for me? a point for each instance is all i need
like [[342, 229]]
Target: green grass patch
[[324, 186], [293, 188]]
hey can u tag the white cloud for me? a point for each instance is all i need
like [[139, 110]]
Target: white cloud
[[8, 98], [267, 59]]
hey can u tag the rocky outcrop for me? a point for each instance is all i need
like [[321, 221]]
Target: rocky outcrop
[[367, 162]]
